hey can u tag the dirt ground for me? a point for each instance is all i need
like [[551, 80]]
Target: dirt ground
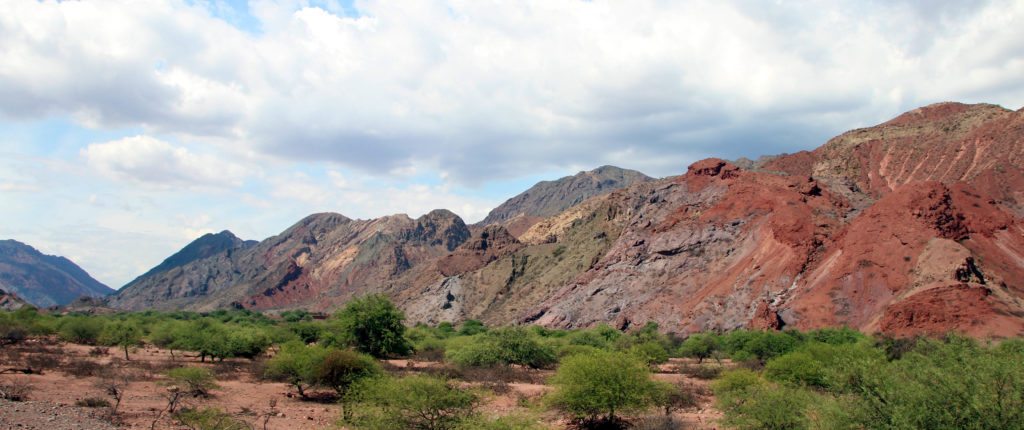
[[53, 394]]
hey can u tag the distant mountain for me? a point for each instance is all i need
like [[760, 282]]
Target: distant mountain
[[205, 246], [318, 263], [44, 280], [549, 198]]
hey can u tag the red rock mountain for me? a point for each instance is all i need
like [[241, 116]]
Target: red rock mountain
[[911, 226]]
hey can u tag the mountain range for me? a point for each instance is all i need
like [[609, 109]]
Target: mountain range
[[911, 226]]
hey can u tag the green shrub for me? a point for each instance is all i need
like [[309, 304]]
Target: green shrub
[[297, 364], [205, 336], [836, 336], [763, 407], [504, 346], [124, 334], [339, 369], [373, 325], [81, 330], [197, 381], [796, 368], [247, 342], [413, 402], [472, 327], [603, 385], [568, 350], [508, 422], [307, 332], [11, 330], [650, 352], [736, 382], [166, 333], [296, 315], [700, 346]]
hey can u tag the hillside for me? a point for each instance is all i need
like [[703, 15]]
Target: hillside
[[44, 280], [910, 226]]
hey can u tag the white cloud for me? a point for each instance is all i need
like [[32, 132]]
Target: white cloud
[[491, 89], [152, 161], [361, 200]]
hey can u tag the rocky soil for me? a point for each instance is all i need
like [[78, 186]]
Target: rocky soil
[[35, 415]]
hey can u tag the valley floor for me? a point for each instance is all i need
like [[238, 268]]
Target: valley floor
[[52, 396]]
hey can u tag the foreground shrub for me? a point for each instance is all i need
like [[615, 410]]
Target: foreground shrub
[[339, 369], [413, 402], [209, 419], [505, 346], [601, 386], [297, 365], [197, 381], [373, 325]]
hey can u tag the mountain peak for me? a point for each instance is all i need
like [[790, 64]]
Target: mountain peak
[[548, 198], [207, 245]]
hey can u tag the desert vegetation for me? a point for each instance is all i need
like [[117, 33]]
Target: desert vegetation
[[363, 368]]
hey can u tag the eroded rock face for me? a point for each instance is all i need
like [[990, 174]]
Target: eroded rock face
[[979, 145], [493, 242]]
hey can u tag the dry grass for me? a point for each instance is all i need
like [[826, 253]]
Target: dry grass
[[15, 390], [82, 368]]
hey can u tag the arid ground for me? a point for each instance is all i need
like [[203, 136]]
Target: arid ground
[[72, 373]]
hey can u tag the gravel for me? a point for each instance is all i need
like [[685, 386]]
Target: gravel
[[50, 416]]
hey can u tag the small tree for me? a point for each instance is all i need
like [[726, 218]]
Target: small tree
[[298, 365], [113, 381], [339, 369], [700, 346], [206, 337], [124, 334], [413, 402], [372, 324], [166, 335], [599, 386]]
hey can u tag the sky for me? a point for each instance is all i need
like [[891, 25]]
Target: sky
[[129, 128]]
